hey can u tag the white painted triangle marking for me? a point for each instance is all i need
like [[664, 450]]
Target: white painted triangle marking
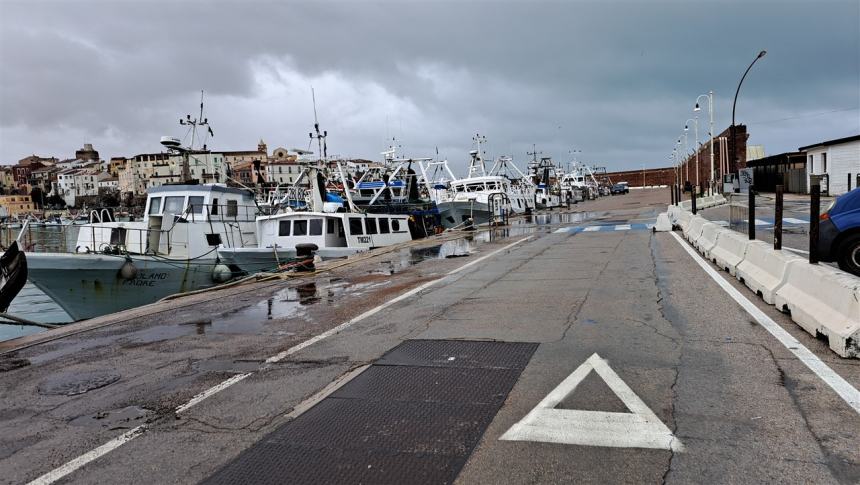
[[640, 428], [591, 228], [622, 227], [792, 220]]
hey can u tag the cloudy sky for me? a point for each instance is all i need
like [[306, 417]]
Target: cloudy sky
[[614, 79]]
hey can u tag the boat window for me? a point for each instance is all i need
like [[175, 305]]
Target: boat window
[[339, 228], [154, 205], [173, 204], [329, 227], [370, 222], [195, 204], [284, 228], [300, 228], [355, 226], [214, 211], [232, 208], [395, 225], [383, 225], [316, 227]]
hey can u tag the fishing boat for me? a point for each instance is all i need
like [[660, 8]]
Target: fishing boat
[[479, 198], [115, 265], [335, 228]]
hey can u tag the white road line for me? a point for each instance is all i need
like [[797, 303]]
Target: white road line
[[792, 220], [58, 473], [591, 228], [845, 390], [622, 227], [760, 222], [120, 440], [801, 251]]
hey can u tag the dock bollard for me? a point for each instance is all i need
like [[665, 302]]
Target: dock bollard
[[814, 213], [693, 200], [305, 252], [777, 219], [751, 213]]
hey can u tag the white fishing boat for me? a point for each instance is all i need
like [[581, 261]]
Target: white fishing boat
[[118, 265], [479, 198], [334, 230], [115, 265]]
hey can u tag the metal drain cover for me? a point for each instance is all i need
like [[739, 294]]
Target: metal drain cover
[[413, 417]]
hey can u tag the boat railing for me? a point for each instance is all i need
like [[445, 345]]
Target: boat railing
[[225, 220]]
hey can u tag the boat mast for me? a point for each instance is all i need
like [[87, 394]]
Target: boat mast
[[193, 123], [477, 161]]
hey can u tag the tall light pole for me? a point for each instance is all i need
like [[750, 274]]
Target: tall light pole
[[710, 96], [686, 149], [695, 121], [734, 104]]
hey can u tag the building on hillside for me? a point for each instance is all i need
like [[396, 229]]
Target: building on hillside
[[837, 160], [38, 159], [108, 183], [87, 153], [7, 180], [45, 178], [115, 165], [283, 172], [16, 205]]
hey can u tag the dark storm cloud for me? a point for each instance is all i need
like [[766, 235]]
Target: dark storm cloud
[[615, 79]]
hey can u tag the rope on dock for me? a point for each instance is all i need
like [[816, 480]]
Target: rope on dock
[[23, 321]]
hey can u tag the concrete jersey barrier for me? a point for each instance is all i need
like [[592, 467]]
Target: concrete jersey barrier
[[763, 269], [694, 228], [684, 219], [825, 302], [706, 242], [730, 250]]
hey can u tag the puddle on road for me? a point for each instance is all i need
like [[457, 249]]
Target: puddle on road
[[123, 418], [74, 383]]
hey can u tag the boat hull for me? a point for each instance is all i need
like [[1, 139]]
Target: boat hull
[[454, 213], [253, 260], [91, 285]]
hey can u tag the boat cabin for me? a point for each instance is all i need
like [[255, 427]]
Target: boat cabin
[[332, 230]]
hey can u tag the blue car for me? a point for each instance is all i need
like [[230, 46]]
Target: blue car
[[839, 232]]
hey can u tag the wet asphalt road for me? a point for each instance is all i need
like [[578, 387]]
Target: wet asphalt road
[[743, 406]]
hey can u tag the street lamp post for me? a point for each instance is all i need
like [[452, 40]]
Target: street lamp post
[[710, 96], [734, 104], [687, 150], [695, 121]]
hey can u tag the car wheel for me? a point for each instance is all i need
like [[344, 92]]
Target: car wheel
[[849, 254]]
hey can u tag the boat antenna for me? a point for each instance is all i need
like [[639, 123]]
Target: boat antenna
[[200, 121], [320, 138]]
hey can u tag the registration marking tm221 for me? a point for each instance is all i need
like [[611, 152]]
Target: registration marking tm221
[[640, 428]]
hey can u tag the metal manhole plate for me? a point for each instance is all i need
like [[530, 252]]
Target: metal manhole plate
[[278, 463], [460, 353], [411, 427], [74, 383], [413, 417], [439, 384]]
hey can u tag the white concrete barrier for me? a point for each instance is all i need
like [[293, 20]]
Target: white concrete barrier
[[825, 302], [673, 211], [687, 205], [663, 224], [683, 220], [763, 269], [708, 239], [730, 250], [694, 229], [719, 199], [704, 202]]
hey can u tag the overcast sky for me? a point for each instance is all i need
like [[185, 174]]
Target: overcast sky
[[616, 80]]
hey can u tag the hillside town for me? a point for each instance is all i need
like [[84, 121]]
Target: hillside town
[[36, 184]]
